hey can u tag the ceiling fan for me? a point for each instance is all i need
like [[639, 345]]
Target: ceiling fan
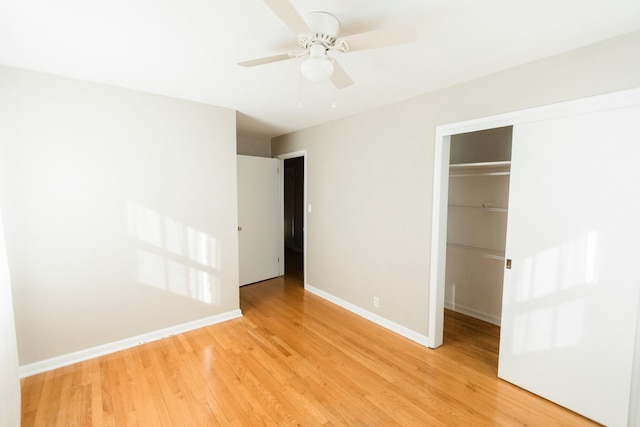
[[318, 34]]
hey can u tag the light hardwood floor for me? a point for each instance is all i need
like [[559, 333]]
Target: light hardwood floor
[[293, 359]]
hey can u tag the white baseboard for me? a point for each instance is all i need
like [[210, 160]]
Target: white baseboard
[[101, 350], [379, 320], [473, 313]]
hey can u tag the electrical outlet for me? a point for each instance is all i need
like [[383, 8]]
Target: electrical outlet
[[376, 302]]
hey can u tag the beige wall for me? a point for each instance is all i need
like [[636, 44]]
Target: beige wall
[[119, 211], [253, 145], [370, 175], [10, 384]]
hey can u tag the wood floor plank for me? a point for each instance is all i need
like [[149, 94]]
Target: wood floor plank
[[292, 359]]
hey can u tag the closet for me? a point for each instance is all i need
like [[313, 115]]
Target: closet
[[479, 172], [570, 319]]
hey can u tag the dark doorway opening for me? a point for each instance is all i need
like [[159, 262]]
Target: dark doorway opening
[[294, 216]]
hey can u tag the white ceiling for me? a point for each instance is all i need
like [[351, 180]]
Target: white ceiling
[[190, 48]]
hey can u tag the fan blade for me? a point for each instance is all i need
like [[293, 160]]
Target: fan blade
[[390, 36], [289, 16], [266, 60], [340, 78]]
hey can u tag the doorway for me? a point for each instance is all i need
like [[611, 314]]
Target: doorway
[[294, 217], [477, 209], [294, 213]]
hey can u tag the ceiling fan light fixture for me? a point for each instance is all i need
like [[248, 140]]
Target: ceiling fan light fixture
[[317, 67]]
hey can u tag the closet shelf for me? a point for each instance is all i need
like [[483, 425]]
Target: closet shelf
[[479, 169], [486, 208], [480, 165], [484, 252]]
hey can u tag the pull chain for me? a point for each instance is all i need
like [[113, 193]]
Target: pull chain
[[333, 104], [300, 104]]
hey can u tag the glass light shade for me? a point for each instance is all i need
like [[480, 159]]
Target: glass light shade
[[317, 68]]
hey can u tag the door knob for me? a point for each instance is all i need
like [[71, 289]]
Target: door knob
[[239, 228]]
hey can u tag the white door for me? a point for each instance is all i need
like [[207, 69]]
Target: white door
[[570, 299], [260, 239]]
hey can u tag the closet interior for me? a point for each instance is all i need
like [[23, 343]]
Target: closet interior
[[479, 171]]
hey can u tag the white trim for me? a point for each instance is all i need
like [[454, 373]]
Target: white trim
[[605, 102], [438, 241], [495, 320], [281, 216], [379, 320], [292, 155], [101, 350]]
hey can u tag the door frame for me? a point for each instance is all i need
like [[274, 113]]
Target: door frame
[[282, 157], [441, 180]]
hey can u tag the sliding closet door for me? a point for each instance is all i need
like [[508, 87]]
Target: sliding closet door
[[570, 298]]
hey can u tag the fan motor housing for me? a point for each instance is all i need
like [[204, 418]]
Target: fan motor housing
[[325, 28]]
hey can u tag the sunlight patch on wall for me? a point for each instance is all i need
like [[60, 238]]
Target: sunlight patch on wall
[[202, 248], [174, 237], [144, 224], [174, 257], [150, 269]]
